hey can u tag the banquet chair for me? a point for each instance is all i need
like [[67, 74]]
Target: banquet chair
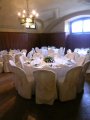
[[1, 67], [51, 52], [44, 47], [70, 55], [37, 50], [24, 52], [6, 59], [81, 81], [68, 84], [30, 54], [45, 86], [76, 56], [4, 52], [17, 60], [87, 57], [61, 51], [12, 63], [86, 68], [80, 60], [23, 83], [23, 59], [1, 58]]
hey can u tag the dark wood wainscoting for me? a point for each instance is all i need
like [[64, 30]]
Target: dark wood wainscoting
[[53, 39], [15, 40], [33, 40], [77, 41]]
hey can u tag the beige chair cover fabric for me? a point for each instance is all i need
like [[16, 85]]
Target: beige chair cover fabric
[[45, 86], [69, 84], [6, 59], [23, 83]]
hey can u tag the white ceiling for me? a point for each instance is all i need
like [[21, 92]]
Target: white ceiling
[[47, 9]]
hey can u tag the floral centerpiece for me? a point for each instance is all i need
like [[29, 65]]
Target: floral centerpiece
[[49, 59]]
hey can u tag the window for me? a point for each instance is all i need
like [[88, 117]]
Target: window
[[80, 25]]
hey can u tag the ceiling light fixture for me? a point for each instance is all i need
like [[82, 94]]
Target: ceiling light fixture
[[28, 19]]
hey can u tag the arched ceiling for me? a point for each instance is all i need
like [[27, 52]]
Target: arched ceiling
[[48, 10]]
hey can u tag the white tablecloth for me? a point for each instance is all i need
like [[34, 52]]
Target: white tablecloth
[[60, 70]]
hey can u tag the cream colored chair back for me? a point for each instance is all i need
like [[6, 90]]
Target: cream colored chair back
[[51, 52], [70, 85], [6, 59], [24, 85], [23, 59], [38, 50], [73, 73], [45, 82], [86, 66], [30, 54], [76, 75], [12, 63], [86, 69], [24, 52], [17, 57], [17, 60]]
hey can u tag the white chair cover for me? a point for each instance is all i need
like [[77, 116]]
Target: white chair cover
[[11, 63], [37, 55], [68, 85], [30, 54], [38, 50], [86, 67], [17, 60], [80, 60], [24, 52], [76, 56], [23, 83], [61, 51], [45, 82], [51, 52], [4, 52], [23, 59], [87, 57], [6, 59], [70, 55], [1, 67]]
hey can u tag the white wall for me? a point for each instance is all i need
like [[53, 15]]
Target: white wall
[[52, 25]]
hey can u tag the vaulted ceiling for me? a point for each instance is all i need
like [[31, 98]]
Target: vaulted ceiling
[[48, 10]]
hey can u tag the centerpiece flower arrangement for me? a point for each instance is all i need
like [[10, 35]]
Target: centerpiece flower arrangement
[[49, 59]]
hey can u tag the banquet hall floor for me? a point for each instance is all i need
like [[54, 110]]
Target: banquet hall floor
[[14, 107]]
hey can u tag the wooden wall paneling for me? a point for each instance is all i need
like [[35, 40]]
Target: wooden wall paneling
[[33, 40], [13, 40], [57, 39], [44, 39], [18, 40], [8, 42], [53, 39], [3, 39], [0, 41]]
